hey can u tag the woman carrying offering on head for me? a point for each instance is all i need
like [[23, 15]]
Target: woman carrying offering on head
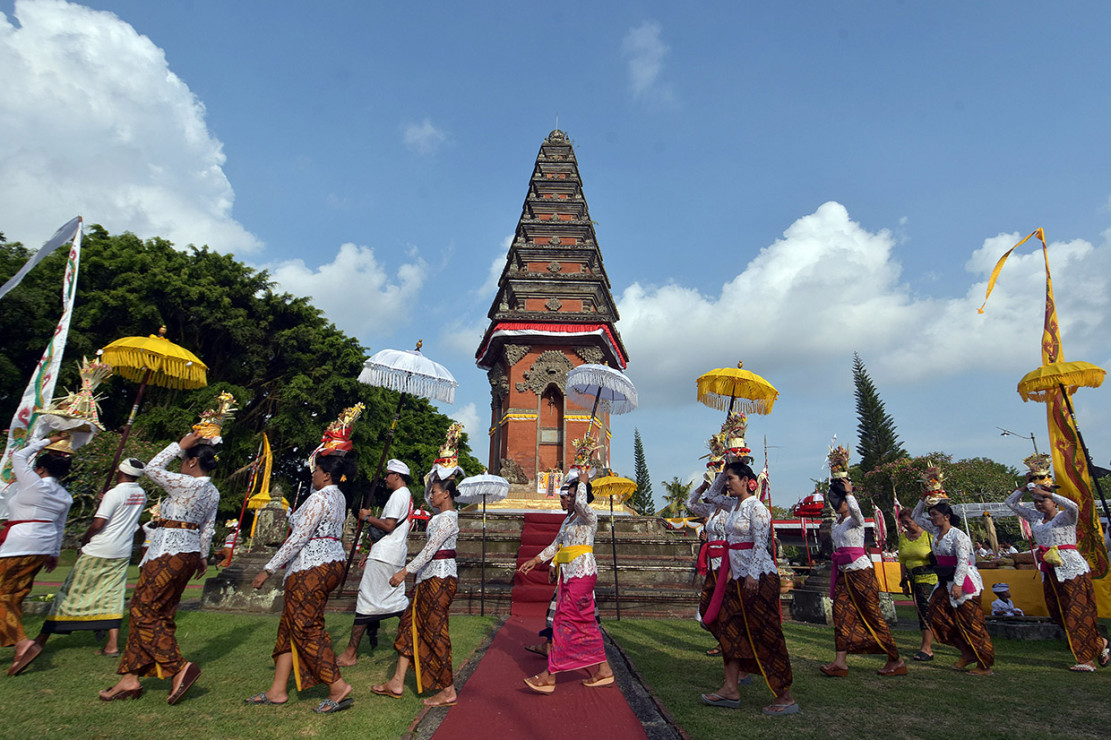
[[919, 578], [858, 622], [576, 637], [747, 605], [954, 613], [715, 546], [1066, 580], [422, 633], [313, 559]]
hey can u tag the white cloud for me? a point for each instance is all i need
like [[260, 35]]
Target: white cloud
[[497, 266], [423, 138], [644, 51], [830, 287], [92, 121], [355, 291], [472, 425]]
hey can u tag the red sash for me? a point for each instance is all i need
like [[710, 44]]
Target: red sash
[[12, 522], [1039, 553], [711, 549], [723, 578], [444, 555], [843, 556]]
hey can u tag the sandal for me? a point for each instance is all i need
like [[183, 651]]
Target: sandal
[[432, 704], [540, 688], [122, 694], [777, 710], [1083, 668], [597, 683], [714, 651], [192, 673], [923, 656], [1105, 655], [327, 706], [25, 660], [717, 700], [536, 649], [383, 690], [262, 699]]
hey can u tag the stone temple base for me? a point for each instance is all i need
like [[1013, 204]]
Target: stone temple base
[[231, 589], [811, 602], [1024, 628]]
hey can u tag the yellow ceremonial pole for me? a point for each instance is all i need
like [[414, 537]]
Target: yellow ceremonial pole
[[416, 644], [296, 663]]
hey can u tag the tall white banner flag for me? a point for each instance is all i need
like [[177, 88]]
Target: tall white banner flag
[[40, 389]]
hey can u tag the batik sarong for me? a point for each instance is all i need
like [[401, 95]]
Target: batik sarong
[[963, 628], [704, 603], [576, 637], [302, 624], [431, 601], [91, 598], [858, 624], [1072, 605], [151, 642], [750, 632], [17, 576]]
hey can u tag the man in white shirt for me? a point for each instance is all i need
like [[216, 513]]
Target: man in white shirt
[[1003, 606], [378, 600], [92, 597]]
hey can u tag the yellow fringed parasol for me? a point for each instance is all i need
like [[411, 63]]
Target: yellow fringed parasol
[[725, 387], [1037, 384], [614, 487], [151, 360]]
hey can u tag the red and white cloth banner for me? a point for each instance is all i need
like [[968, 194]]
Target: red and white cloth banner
[[40, 389]]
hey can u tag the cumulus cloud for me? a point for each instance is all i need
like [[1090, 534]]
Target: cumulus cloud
[[92, 121], [475, 429], [355, 290], [423, 138], [644, 51], [830, 287]]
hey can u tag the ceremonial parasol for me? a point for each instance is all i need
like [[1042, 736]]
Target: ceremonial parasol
[[722, 388], [152, 360], [593, 384], [470, 491], [614, 487], [410, 373]]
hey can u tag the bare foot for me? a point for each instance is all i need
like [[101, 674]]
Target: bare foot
[[346, 659], [339, 690]]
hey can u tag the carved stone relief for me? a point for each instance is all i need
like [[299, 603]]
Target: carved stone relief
[[554, 267], [511, 470], [555, 241], [514, 353], [592, 355], [553, 304], [550, 367], [499, 382]]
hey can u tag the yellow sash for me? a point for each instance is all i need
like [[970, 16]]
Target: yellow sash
[[567, 553]]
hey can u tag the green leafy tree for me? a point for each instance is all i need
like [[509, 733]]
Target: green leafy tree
[[642, 500], [877, 442], [291, 370], [676, 496]]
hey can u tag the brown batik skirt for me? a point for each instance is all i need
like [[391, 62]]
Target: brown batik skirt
[[750, 631], [17, 576], [963, 628], [1072, 605], [151, 642], [432, 602], [302, 624], [857, 619]]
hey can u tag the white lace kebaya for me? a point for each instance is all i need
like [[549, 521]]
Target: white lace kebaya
[[578, 528], [715, 520], [850, 533], [1060, 530], [317, 533], [751, 522], [956, 544], [443, 534], [187, 499]]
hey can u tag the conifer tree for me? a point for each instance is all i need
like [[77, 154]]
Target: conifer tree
[[877, 441], [642, 500]]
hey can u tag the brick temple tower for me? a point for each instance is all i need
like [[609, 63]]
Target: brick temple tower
[[553, 311]]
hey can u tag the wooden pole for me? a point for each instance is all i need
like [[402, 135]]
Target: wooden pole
[[482, 608], [126, 433], [613, 541]]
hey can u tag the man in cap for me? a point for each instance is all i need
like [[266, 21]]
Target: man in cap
[[378, 600], [1003, 606], [92, 597]]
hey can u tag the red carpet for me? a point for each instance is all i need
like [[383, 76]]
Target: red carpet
[[495, 703], [532, 593]]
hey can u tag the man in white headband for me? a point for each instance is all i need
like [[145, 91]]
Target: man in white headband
[[378, 600], [92, 597], [1003, 606]]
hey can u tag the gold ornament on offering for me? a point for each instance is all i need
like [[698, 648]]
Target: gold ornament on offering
[[932, 482], [213, 419], [585, 453], [1040, 469], [448, 456], [75, 415], [839, 462], [733, 431]]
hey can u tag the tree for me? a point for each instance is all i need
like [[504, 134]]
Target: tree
[[877, 442], [291, 370], [676, 497], [642, 500]]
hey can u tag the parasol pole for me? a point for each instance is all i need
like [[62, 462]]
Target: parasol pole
[[482, 608], [126, 432], [250, 492], [593, 411], [1087, 457], [297, 497], [613, 541], [373, 487]]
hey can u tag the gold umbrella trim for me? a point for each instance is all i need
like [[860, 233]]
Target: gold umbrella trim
[[615, 487], [170, 366], [1038, 383], [747, 391]]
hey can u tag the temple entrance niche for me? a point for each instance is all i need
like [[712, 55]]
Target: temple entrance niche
[[550, 428]]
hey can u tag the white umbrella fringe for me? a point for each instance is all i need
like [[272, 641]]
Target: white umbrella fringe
[[408, 371], [587, 383]]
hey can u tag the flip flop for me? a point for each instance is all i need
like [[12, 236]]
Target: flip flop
[[833, 672], [540, 688], [381, 690], [434, 704], [599, 682], [125, 694], [778, 710], [108, 655], [25, 660], [1105, 656], [327, 706], [1083, 668], [192, 673], [714, 651], [714, 700], [262, 699], [896, 671], [535, 649], [923, 656]]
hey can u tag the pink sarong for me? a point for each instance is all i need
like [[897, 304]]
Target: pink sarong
[[576, 638]]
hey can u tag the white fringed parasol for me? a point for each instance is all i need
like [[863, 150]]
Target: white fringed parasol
[[484, 487], [593, 384], [408, 371]]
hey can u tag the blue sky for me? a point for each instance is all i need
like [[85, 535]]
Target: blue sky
[[781, 184]]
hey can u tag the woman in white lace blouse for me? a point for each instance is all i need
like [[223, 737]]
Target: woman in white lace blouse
[[181, 538], [954, 612], [858, 621], [1066, 581], [576, 638], [746, 599], [425, 620], [313, 559], [716, 515]]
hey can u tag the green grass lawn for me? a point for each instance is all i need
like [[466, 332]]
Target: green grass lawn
[[57, 695], [1031, 695]]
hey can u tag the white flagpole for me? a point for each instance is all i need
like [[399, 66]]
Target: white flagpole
[[40, 389]]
